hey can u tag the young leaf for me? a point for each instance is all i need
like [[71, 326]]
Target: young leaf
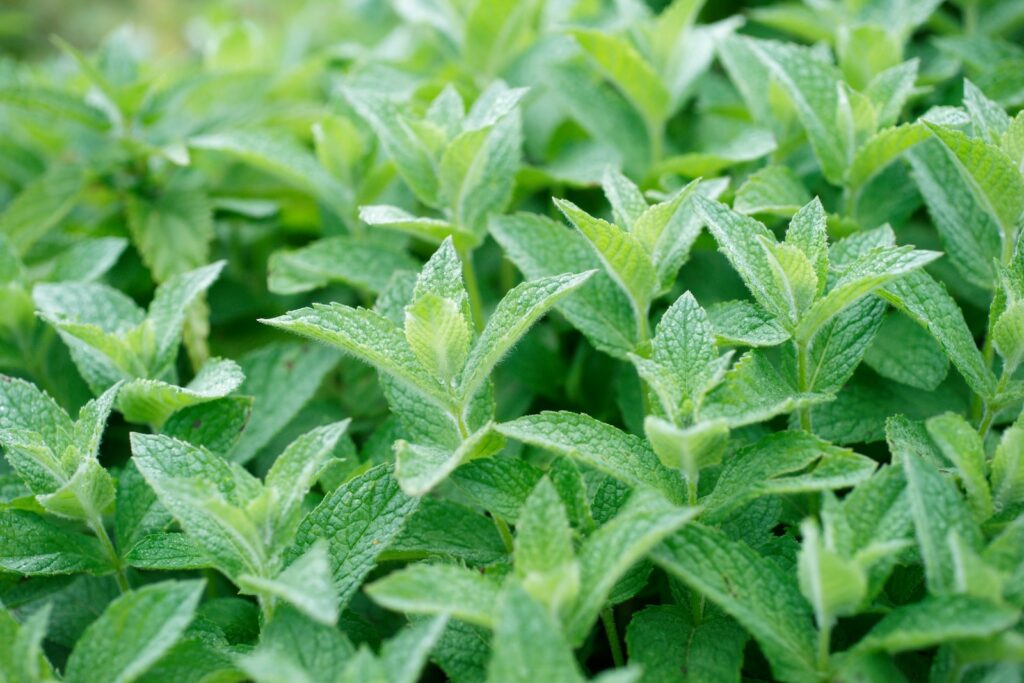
[[937, 620], [529, 645], [545, 561], [439, 589]]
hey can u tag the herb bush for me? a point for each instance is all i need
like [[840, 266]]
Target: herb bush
[[385, 342]]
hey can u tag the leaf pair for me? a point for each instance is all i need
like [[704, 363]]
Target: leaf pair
[[435, 354], [112, 340], [240, 525], [458, 162]]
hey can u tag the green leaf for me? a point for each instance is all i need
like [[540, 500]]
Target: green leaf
[[216, 426], [994, 180], [714, 651], [1008, 469], [368, 336], [962, 446], [306, 583], [863, 276], [282, 158], [412, 159], [905, 352], [626, 199], [53, 103], [834, 585], [938, 511], [837, 348], [172, 229], [613, 549], [752, 589], [294, 649], [545, 561], [439, 335], [926, 302], [541, 248], [936, 620], [516, 312], [405, 655], [629, 72], [623, 256], [477, 172], [420, 468], [774, 190], [32, 545], [528, 644], [41, 205], [148, 401], [433, 230], [439, 589], [358, 519], [281, 378], [598, 445], [812, 86], [785, 462], [133, 632], [744, 324], [366, 265], [738, 238]]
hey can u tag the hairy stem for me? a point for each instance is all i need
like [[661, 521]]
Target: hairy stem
[[476, 303], [824, 646], [504, 532], [95, 523]]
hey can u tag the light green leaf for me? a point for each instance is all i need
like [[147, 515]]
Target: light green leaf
[[937, 620], [745, 324], [294, 649], [613, 549], [281, 378], [626, 199], [439, 589], [989, 119], [860, 278], [541, 248], [1008, 469], [306, 583], [42, 204], [624, 257], [545, 561], [133, 633], [366, 265], [813, 87], [433, 230], [629, 72], [149, 401], [598, 445], [516, 312], [774, 190], [368, 336], [528, 644], [834, 585], [404, 656], [439, 335], [172, 229], [752, 589], [412, 159], [420, 468], [962, 446], [938, 511], [282, 158]]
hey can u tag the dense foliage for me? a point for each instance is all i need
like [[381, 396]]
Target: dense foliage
[[386, 342]]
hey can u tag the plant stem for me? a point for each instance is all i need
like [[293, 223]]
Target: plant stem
[[691, 489], [824, 641], [96, 524], [988, 415], [802, 367], [504, 532], [476, 303], [612, 631]]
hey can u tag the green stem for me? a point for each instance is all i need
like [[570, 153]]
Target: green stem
[[992, 407], [612, 631], [476, 303], [504, 532], [691, 489], [824, 645], [802, 368], [96, 524]]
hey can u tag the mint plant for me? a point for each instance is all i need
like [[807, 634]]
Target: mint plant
[[515, 341]]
